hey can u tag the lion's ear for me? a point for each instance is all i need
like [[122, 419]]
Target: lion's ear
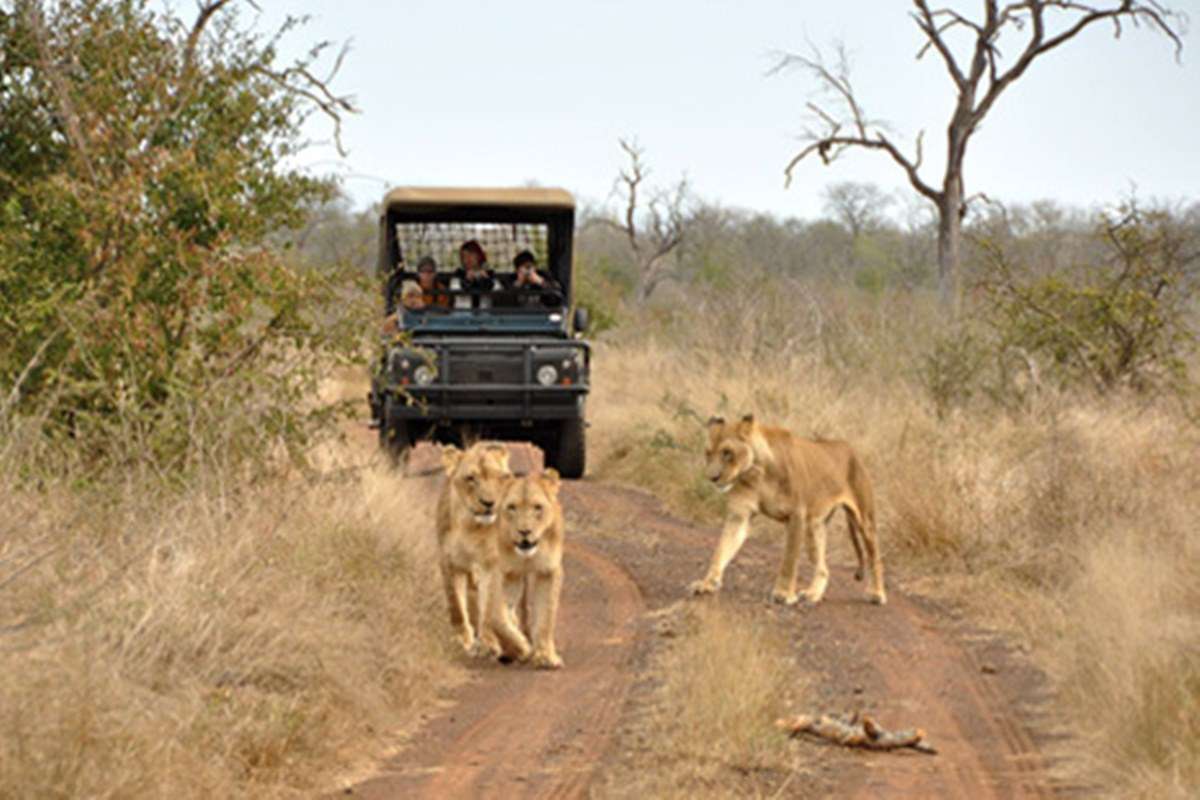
[[745, 427], [451, 456], [716, 427], [551, 480]]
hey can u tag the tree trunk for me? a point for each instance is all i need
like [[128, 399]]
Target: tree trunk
[[949, 249], [651, 275]]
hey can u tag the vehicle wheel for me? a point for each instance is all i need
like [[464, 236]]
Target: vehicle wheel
[[394, 435], [568, 454]]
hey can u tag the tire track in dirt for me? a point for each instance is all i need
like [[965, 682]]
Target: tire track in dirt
[[918, 673], [984, 751], [521, 732]]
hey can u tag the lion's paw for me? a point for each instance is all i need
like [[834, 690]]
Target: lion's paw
[[543, 660], [812, 598], [704, 586], [785, 598], [520, 653], [482, 649], [878, 598]]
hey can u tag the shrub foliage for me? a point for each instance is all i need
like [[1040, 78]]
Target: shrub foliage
[[1119, 319], [144, 164]]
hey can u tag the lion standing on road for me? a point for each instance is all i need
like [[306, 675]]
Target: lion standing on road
[[531, 553], [799, 482], [468, 541]]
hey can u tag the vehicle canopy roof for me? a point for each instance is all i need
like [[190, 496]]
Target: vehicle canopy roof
[[424, 197]]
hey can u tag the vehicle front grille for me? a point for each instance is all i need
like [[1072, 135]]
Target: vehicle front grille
[[486, 368]]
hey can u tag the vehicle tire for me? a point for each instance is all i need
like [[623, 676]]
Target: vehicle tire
[[394, 435], [568, 454]]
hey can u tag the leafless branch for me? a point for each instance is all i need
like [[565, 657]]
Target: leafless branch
[[850, 127], [299, 80], [926, 21], [205, 13], [664, 222], [980, 76], [1034, 14]]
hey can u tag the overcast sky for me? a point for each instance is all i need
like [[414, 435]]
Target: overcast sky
[[502, 93]]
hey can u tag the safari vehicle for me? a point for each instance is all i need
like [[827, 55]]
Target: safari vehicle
[[501, 363]]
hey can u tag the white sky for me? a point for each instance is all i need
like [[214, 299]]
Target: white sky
[[502, 93]]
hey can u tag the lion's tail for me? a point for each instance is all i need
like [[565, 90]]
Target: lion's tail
[[860, 487], [862, 524]]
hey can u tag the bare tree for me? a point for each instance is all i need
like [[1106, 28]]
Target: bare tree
[[663, 222], [979, 79], [858, 206]]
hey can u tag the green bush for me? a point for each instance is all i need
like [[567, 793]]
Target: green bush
[[143, 171], [601, 287], [1120, 319]]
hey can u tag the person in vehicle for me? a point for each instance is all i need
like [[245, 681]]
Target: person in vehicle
[[428, 291], [540, 288], [474, 273]]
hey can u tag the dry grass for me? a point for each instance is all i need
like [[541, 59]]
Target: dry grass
[[224, 642], [1070, 523], [710, 725]]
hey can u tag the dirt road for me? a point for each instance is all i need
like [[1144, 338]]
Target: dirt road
[[908, 663], [489, 745]]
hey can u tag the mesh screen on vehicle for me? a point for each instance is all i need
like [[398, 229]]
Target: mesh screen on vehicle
[[442, 241]]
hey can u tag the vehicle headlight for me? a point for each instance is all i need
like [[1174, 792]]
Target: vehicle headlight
[[547, 375], [424, 375]]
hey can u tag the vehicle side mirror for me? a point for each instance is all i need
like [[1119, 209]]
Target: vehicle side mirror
[[581, 320]]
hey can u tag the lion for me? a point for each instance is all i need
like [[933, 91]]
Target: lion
[[799, 482], [468, 541], [531, 554]]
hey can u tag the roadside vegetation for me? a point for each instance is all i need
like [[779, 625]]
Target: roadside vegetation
[[231, 639], [1036, 462], [202, 593], [721, 679]]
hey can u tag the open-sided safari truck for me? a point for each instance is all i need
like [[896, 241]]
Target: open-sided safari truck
[[503, 362]]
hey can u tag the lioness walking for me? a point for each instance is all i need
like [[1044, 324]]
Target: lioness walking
[[799, 482], [469, 544], [531, 555]]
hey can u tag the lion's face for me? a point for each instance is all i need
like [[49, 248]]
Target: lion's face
[[477, 477], [729, 454], [529, 510]]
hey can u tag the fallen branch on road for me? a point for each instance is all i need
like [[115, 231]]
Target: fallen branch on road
[[852, 730]]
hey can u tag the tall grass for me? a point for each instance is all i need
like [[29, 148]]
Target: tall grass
[[227, 640], [709, 725], [1067, 519]]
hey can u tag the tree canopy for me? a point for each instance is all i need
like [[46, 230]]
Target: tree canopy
[[144, 162]]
